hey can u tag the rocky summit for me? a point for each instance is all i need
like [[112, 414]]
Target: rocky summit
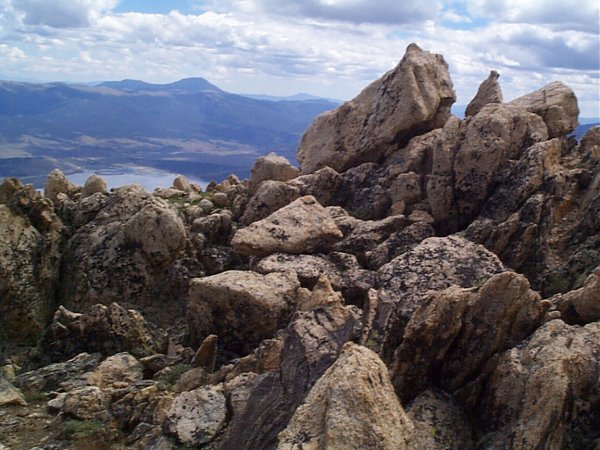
[[420, 282]]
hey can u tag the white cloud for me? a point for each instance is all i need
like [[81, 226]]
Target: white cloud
[[582, 15], [62, 13], [294, 48]]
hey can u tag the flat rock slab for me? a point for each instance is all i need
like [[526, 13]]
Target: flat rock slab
[[303, 226]]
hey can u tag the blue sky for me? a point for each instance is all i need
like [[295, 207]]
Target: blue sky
[[331, 48]]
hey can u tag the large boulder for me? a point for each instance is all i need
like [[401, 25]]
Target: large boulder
[[303, 226], [57, 183], [556, 104], [94, 184], [544, 392], [435, 264], [352, 406], [240, 307], [415, 97], [136, 251], [342, 269]]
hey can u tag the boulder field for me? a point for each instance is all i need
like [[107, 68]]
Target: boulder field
[[419, 282]]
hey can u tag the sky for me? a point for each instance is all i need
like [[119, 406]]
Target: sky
[[329, 48]]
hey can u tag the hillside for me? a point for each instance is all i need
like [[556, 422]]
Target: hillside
[[189, 126], [420, 282]]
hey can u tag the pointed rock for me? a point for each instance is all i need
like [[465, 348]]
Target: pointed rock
[[352, 406], [416, 95], [489, 92]]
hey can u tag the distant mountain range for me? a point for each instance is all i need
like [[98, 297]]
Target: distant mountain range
[[189, 126]]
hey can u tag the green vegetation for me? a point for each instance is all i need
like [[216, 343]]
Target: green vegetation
[[169, 377], [76, 429]]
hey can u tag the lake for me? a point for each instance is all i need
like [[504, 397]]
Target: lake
[[147, 177]]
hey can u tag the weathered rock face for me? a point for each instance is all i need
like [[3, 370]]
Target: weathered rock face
[[489, 92], [416, 95], [271, 167], [342, 269], [435, 264], [581, 306], [449, 339], [544, 392], [556, 104], [105, 329], [134, 251], [30, 249], [352, 406], [196, 416], [440, 422], [303, 226], [552, 238], [217, 302], [311, 343]]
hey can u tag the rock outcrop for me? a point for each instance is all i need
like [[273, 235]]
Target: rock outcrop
[[413, 98], [134, 251], [451, 337], [352, 406], [426, 282]]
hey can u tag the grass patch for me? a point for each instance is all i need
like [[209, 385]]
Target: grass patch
[[169, 377], [76, 429]]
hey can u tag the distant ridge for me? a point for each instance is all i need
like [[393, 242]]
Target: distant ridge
[[190, 85]]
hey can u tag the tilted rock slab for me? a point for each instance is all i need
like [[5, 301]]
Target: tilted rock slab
[[303, 226], [448, 340], [352, 407], [241, 307], [413, 98]]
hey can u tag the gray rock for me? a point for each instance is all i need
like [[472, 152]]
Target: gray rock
[[196, 416], [556, 104], [544, 392], [49, 378], [455, 332], [440, 422], [57, 183], [271, 167]]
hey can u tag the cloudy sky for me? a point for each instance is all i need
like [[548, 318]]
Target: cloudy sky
[[330, 48]]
